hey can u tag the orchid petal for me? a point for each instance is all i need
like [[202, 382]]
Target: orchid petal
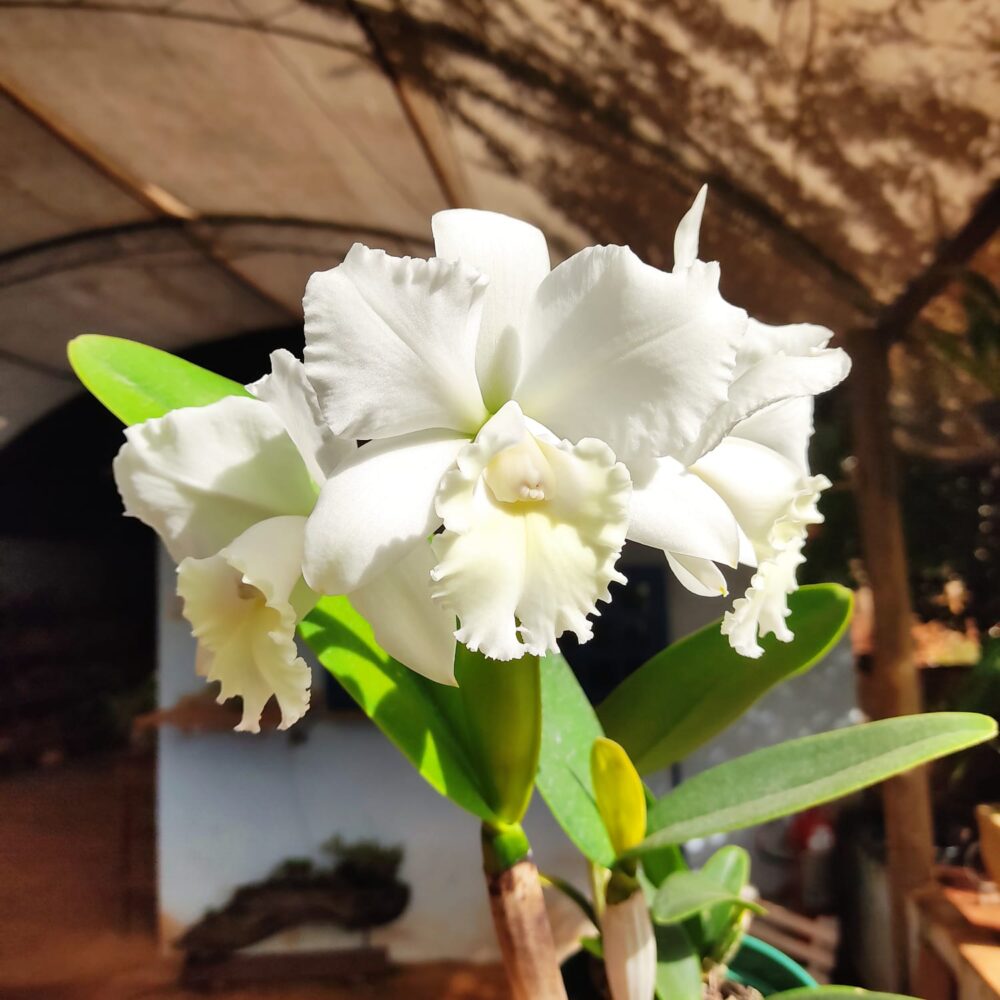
[[520, 573], [391, 344], [784, 427], [515, 258], [289, 393], [200, 476], [774, 504], [755, 482], [243, 605], [700, 576], [375, 508], [775, 363], [688, 231], [636, 357], [677, 512], [764, 606], [407, 624]]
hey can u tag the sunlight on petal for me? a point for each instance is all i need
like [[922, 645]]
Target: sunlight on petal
[[391, 344], [201, 476], [243, 605], [518, 573]]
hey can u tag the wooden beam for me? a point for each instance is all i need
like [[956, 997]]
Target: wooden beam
[[158, 201], [952, 254], [895, 683], [429, 124]]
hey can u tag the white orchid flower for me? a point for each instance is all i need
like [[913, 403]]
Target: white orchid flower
[[228, 488], [753, 458], [470, 374]]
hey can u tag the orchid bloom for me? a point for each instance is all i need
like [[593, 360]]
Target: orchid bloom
[[470, 375], [228, 488], [753, 457]]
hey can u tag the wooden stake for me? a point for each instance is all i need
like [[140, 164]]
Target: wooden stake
[[523, 930], [895, 682]]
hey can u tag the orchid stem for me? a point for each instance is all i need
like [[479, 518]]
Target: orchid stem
[[518, 908]]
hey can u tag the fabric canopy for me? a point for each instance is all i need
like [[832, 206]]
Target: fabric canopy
[[173, 171]]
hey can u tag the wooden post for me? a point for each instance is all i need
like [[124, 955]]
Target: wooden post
[[895, 683]]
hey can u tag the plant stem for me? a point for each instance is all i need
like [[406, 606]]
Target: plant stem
[[519, 916]]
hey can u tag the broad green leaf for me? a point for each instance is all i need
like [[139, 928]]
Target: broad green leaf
[[729, 866], [414, 713], [569, 728], [694, 688], [836, 993], [793, 776], [678, 966], [501, 708], [619, 793], [686, 894], [658, 864], [137, 382]]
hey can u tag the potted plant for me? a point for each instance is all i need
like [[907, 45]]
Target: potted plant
[[444, 488]]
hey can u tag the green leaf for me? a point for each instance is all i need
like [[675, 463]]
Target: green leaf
[[694, 688], [416, 714], [658, 864], [500, 705], [729, 866], [836, 993], [569, 728], [678, 966], [685, 894], [137, 382], [793, 776]]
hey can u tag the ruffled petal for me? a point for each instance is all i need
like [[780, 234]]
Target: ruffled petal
[[201, 476], [515, 258], [688, 232], [289, 393], [407, 624], [774, 504], [775, 363], [764, 606], [636, 357], [391, 344], [375, 508], [243, 605], [677, 512], [520, 572]]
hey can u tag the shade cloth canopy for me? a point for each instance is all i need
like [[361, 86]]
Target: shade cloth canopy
[[173, 171]]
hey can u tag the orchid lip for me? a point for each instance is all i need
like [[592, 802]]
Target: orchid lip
[[520, 473]]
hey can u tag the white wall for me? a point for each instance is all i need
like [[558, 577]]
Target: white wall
[[233, 805]]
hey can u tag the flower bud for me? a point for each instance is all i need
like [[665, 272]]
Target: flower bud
[[629, 949]]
